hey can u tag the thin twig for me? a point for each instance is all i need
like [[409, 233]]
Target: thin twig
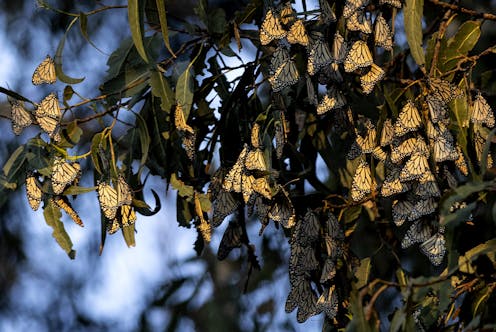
[[440, 35], [463, 10]]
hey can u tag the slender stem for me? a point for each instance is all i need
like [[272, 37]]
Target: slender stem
[[463, 10]]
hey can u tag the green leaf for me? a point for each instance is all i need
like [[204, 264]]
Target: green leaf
[[128, 233], [163, 25], [184, 91], [412, 14], [358, 321], [217, 21], [117, 59], [160, 88], [135, 12], [362, 273], [144, 141], [83, 26], [144, 209], [96, 143], [76, 190], [398, 320], [58, 59], [466, 37], [183, 189], [184, 212], [15, 162], [70, 135], [52, 216]]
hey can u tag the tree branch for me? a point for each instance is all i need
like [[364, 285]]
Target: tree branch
[[463, 10]]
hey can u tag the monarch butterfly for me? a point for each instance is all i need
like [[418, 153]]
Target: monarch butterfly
[[414, 167], [437, 109], [124, 193], [382, 34], [247, 186], [362, 182], [297, 34], [303, 258], [434, 248], [287, 14], [419, 231], [48, 114], [45, 72], [367, 143], [279, 57], [308, 229], [369, 80], [326, 13], [423, 207], [180, 121], [392, 185], [394, 3], [63, 203], [107, 196], [379, 154], [255, 160], [231, 239], [358, 56], [404, 149], [332, 99], [333, 229], [444, 90], [262, 187], [387, 133], [442, 143], [358, 21], [188, 143], [320, 56], [271, 29], [224, 204], [33, 192], [63, 173], [128, 216], [302, 296], [232, 181], [282, 210], [284, 76], [255, 136], [328, 270], [460, 162], [481, 112], [402, 211], [427, 186], [479, 143], [20, 117], [262, 211], [280, 137], [339, 48], [351, 6], [408, 120], [328, 302], [421, 147]]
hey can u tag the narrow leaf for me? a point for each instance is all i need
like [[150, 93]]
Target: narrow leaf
[[163, 25], [58, 60], [52, 216], [161, 89], [184, 91], [83, 26], [128, 233], [412, 14], [144, 141], [466, 37], [135, 16]]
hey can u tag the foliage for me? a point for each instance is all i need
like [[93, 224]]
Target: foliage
[[402, 130]]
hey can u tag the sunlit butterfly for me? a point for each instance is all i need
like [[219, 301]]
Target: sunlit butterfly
[[247, 181], [339, 48], [33, 192], [481, 112], [107, 196], [460, 162], [351, 6], [404, 149], [367, 143], [333, 99], [358, 21], [442, 143], [63, 203], [444, 90], [392, 184], [379, 153], [255, 136], [414, 167], [382, 34], [297, 33], [48, 115], [284, 76], [63, 173], [255, 160], [20, 117], [408, 120], [434, 248], [427, 186], [45, 72], [287, 14], [370, 79], [271, 28], [424, 207], [180, 121], [394, 3], [232, 181], [128, 216], [362, 182], [282, 210], [387, 133], [359, 56]]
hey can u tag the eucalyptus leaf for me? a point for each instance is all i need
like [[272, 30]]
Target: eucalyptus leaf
[[52, 216], [412, 14]]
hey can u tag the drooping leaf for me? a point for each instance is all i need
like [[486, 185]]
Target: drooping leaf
[[144, 141], [184, 91], [412, 14], [52, 216], [163, 25], [83, 26], [160, 88], [58, 59], [128, 234], [135, 10]]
